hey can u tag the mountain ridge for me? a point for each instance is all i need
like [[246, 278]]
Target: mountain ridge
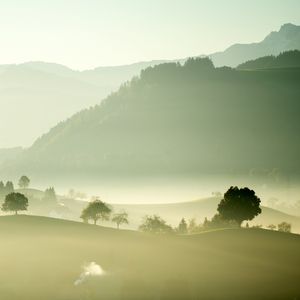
[[102, 140]]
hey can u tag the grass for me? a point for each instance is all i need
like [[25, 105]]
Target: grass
[[40, 258]]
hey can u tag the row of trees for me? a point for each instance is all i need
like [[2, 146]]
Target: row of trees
[[98, 210], [237, 206], [282, 227], [8, 187], [15, 201]]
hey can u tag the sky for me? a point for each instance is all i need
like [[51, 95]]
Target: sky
[[84, 34]]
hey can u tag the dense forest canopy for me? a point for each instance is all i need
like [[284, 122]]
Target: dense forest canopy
[[289, 59]]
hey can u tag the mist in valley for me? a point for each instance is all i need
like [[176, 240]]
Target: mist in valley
[[149, 150]]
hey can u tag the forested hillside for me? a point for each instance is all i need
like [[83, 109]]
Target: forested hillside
[[289, 59], [186, 119]]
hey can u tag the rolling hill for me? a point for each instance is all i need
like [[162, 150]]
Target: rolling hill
[[53, 92], [43, 258], [199, 209], [172, 212]]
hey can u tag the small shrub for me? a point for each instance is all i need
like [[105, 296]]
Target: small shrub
[[284, 227]]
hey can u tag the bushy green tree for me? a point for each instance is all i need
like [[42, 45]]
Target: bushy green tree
[[239, 205], [96, 210], [24, 182], [15, 202], [155, 224], [120, 218]]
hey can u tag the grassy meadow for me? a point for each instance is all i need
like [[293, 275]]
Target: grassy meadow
[[41, 258]]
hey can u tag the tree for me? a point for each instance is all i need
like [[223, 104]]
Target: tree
[[96, 210], [24, 182], [50, 196], [271, 227], [155, 224], [6, 189], [206, 223], [120, 218], [192, 226], [239, 205], [2, 190], [15, 202], [182, 227], [9, 188], [284, 227], [217, 221]]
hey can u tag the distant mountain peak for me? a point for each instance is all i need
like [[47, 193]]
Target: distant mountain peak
[[288, 27], [287, 31], [285, 39]]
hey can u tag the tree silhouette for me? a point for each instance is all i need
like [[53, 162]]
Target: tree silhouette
[[239, 205], [155, 224], [182, 227], [50, 196], [15, 202], [271, 227], [24, 182], [9, 187], [284, 227], [120, 218], [6, 189], [96, 210]]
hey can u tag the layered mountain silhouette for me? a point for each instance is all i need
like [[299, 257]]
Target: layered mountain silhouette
[[178, 119], [287, 38], [36, 95]]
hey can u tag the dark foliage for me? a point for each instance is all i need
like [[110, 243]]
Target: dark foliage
[[24, 182], [6, 189], [179, 119], [239, 205], [15, 202], [96, 210], [289, 59], [155, 224]]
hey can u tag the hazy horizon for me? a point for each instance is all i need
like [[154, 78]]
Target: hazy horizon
[[136, 29], [149, 149]]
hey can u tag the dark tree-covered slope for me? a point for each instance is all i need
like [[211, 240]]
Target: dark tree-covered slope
[[289, 59], [174, 119]]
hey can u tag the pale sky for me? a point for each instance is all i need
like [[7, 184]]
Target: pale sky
[[89, 33]]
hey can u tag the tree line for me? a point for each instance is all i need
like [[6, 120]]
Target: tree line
[[236, 206], [16, 200]]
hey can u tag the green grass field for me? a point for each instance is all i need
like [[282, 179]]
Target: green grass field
[[41, 258]]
